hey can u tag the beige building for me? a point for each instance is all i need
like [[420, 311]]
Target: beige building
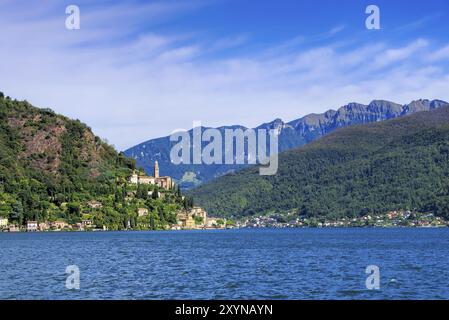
[[142, 212], [186, 219], [78, 226], [13, 228], [43, 226], [147, 180], [134, 179], [87, 224], [3, 223], [165, 182], [95, 204], [199, 212], [212, 223], [59, 225]]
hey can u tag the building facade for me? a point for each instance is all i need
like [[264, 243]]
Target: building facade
[[188, 219], [142, 212], [59, 225], [165, 182], [3, 223], [32, 226]]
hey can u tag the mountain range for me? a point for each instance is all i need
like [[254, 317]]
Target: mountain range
[[292, 135], [397, 164], [359, 159]]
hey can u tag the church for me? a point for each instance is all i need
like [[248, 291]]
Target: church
[[165, 182]]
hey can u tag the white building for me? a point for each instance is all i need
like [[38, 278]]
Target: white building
[[32, 226], [3, 222], [163, 182], [134, 178], [142, 212]]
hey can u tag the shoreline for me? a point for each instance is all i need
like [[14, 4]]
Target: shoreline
[[235, 228]]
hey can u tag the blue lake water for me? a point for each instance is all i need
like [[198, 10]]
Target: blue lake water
[[227, 264]]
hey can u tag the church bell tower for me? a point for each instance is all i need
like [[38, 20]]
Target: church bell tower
[[156, 169]]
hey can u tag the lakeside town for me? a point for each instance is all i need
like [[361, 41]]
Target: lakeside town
[[140, 186], [197, 219], [194, 219], [390, 219]]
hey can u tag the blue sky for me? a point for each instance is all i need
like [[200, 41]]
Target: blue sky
[[138, 70]]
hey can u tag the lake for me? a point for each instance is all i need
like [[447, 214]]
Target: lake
[[227, 264]]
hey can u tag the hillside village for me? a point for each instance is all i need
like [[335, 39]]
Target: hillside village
[[146, 194]]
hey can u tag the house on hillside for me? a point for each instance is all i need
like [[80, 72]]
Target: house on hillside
[[13, 228], [59, 225], [87, 224], [95, 204], [195, 218], [44, 226], [142, 212], [185, 220], [3, 223], [32, 226]]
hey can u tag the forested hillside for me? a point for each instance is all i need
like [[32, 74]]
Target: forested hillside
[[52, 168], [396, 164]]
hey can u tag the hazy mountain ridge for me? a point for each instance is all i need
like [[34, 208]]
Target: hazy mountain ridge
[[292, 134], [398, 164]]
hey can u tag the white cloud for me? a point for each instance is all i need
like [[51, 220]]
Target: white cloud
[[336, 30], [229, 42], [397, 54], [131, 83], [440, 54]]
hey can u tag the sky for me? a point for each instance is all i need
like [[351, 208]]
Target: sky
[[138, 70]]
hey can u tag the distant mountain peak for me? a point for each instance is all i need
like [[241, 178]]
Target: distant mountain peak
[[275, 124], [292, 134], [393, 165]]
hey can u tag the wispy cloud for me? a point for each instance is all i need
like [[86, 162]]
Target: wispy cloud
[[441, 54], [229, 42], [399, 54], [132, 80], [336, 30], [417, 24]]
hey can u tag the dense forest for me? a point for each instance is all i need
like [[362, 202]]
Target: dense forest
[[397, 164], [52, 168]]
